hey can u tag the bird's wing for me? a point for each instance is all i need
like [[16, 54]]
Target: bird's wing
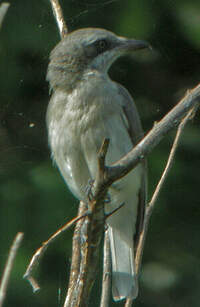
[[134, 127]]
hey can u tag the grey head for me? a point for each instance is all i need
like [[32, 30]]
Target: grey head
[[84, 50]]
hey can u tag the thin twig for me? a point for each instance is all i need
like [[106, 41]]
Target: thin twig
[[8, 267], [170, 160], [58, 14], [114, 210], [106, 281], [151, 204], [40, 251], [3, 9]]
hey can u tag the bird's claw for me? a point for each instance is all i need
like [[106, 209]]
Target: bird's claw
[[88, 189], [89, 193]]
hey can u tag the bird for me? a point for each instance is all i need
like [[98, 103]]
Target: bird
[[86, 107]]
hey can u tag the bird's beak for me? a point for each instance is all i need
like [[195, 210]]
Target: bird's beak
[[129, 45]]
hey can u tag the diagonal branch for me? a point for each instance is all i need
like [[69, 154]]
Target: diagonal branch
[[160, 129], [151, 204], [170, 160]]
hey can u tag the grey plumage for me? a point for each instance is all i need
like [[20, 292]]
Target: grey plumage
[[85, 107]]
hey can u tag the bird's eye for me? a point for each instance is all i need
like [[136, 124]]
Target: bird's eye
[[102, 45]]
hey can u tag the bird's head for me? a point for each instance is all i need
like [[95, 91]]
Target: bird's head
[[86, 49]]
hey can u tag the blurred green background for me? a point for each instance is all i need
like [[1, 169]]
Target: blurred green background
[[33, 196]]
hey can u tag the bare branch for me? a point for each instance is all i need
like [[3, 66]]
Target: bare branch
[[102, 154], [8, 267], [101, 174], [88, 240], [170, 159], [106, 280], [151, 204], [160, 129], [76, 255], [40, 251], [3, 9], [114, 210], [58, 14]]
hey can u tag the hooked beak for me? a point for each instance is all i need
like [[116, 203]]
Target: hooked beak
[[129, 45]]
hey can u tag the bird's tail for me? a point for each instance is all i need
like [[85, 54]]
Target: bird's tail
[[124, 282]]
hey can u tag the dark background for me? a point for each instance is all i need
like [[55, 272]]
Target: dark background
[[33, 196]]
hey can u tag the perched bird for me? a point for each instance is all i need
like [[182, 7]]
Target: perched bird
[[86, 106]]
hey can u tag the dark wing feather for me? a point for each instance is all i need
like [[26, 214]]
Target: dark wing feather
[[135, 131]]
